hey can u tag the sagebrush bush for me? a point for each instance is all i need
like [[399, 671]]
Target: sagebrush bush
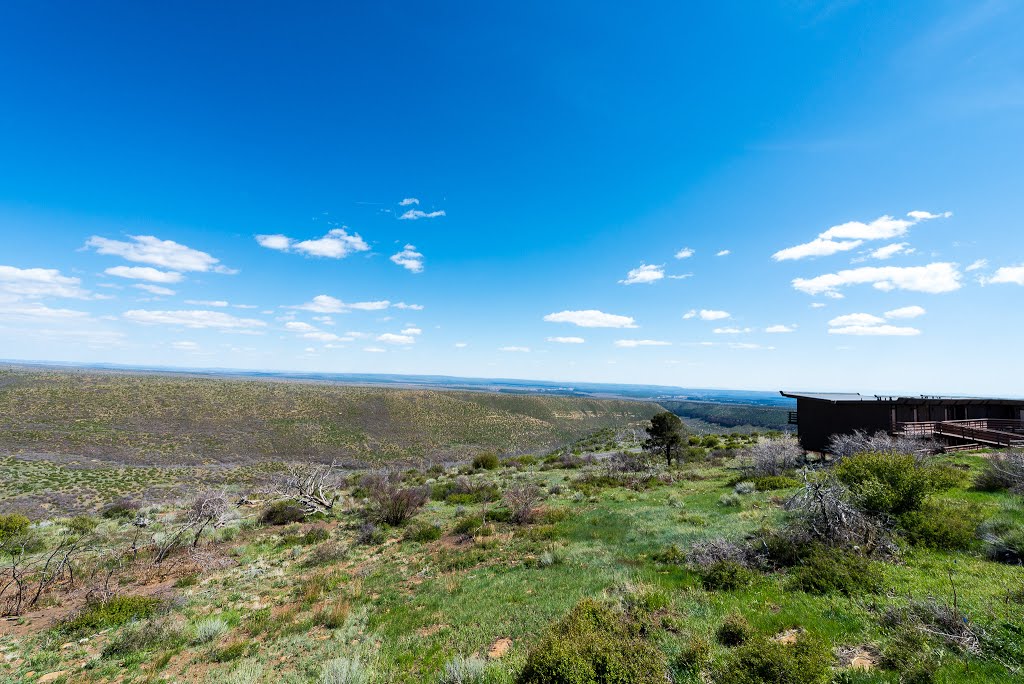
[[522, 502], [459, 670], [859, 442], [1002, 471], [725, 575], [344, 671], [694, 654], [745, 487], [892, 483], [142, 636], [245, 672], [113, 612], [943, 524], [1004, 541], [282, 513], [392, 504], [775, 456], [486, 461], [828, 570], [594, 643], [208, 629], [735, 630], [730, 500], [423, 532], [768, 661], [316, 535]]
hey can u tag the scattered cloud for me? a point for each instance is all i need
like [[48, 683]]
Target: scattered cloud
[[416, 214], [392, 338], [731, 331], [748, 345], [567, 340], [818, 305], [326, 337], [644, 274], [185, 345], [978, 265], [889, 251], [299, 326], [374, 350], [40, 282], [707, 314], [631, 344], [218, 303], [685, 253], [148, 249], [591, 318], [408, 201], [934, 279], [853, 234], [522, 350], [149, 273], [327, 304], [336, 244], [410, 307], [35, 310], [461, 345], [724, 252], [780, 329], [864, 324], [155, 289], [856, 319], [906, 312], [409, 259], [217, 320], [412, 331], [1007, 274]]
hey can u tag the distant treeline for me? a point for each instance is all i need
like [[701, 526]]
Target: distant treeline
[[732, 415]]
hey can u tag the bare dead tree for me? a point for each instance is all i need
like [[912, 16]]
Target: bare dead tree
[[315, 487], [825, 513], [209, 510]]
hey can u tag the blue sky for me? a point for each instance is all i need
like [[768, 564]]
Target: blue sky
[[800, 195]]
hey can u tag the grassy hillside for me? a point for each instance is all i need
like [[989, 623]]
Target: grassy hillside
[[733, 416], [163, 419]]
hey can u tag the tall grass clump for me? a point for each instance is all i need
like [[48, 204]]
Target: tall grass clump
[[344, 671]]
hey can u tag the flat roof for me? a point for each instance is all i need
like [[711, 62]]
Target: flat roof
[[854, 397]]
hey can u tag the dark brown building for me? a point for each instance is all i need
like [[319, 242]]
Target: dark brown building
[[959, 422]]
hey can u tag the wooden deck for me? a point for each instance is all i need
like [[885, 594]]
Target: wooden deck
[[982, 432]]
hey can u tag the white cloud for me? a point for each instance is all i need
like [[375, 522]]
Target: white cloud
[[219, 303], [169, 254], [855, 319], [336, 244], [781, 328], [567, 340], [416, 214], [875, 330], [685, 253], [724, 252], [329, 304], [299, 326], [409, 259], [40, 282], [461, 345], [906, 312], [185, 345], [818, 305], [35, 310], [326, 337], [631, 344], [853, 234], [1007, 274], [195, 319], [747, 345], [408, 201], [708, 314], [934, 279], [155, 289], [370, 306], [412, 331], [978, 265], [892, 250], [411, 307], [392, 338], [144, 273], [591, 318], [522, 350], [645, 274], [374, 350], [731, 331]]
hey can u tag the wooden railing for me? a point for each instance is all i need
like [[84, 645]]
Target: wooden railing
[[991, 431], [792, 418]]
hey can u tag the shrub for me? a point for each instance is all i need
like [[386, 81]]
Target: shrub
[[943, 524], [113, 612], [768, 483], [332, 616], [670, 555], [468, 525], [423, 532], [120, 510], [694, 654], [1004, 542], [825, 512], [392, 504], [735, 630], [282, 513], [344, 671], [232, 651], [1002, 471], [12, 526], [745, 487], [142, 636], [775, 456], [486, 461], [725, 575], [246, 672], [730, 500], [594, 643], [891, 483], [326, 554], [835, 571], [461, 670], [767, 661], [316, 535], [910, 653], [208, 629], [844, 446], [369, 534], [522, 502]]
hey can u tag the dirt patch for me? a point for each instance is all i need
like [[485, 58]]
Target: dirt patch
[[789, 637], [430, 630], [499, 648], [863, 657]]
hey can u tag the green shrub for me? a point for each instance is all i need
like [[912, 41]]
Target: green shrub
[[120, 510], [694, 654], [232, 652], [81, 524], [594, 644], [208, 629], [827, 570], [670, 555], [467, 525], [910, 653], [735, 630], [725, 575], [316, 535], [768, 483], [943, 524], [730, 500], [767, 661], [113, 612], [282, 513], [423, 532], [486, 461], [892, 483], [13, 525], [142, 636], [461, 670]]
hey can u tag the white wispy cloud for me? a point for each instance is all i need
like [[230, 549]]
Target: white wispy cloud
[[780, 328], [408, 201], [392, 338], [934, 278], [327, 304], [412, 331], [40, 282], [864, 324], [630, 344], [724, 252], [374, 350], [461, 345], [185, 345], [149, 273], [978, 265], [853, 234], [36, 310], [707, 314], [644, 274], [748, 345], [522, 350], [195, 319], [168, 254], [685, 253], [416, 214], [326, 337], [591, 318], [889, 251], [411, 307], [906, 312], [567, 340], [299, 326], [218, 303], [338, 243], [409, 259], [155, 289], [731, 331], [1007, 275]]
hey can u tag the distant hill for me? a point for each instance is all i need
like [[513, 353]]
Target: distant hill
[[732, 416], [181, 419]]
